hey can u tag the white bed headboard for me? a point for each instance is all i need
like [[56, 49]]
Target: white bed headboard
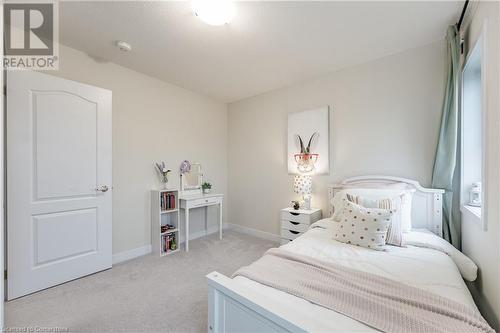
[[426, 206]]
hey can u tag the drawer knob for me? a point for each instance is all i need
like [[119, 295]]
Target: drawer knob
[[294, 232], [294, 213], [206, 200], [295, 223]]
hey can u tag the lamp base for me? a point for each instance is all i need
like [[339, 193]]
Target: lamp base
[[307, 202]]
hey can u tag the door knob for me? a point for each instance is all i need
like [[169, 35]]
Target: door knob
[[103, 188]]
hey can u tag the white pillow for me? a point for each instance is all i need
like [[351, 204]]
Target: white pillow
[[340, 199], [366, 227]]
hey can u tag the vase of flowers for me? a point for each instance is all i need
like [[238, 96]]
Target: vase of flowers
[[163, 171]]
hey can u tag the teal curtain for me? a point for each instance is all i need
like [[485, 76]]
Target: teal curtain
[[446, 174]]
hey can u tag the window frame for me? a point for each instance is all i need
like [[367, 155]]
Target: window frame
[[480, 42]]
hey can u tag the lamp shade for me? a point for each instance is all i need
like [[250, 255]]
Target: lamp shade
[[302, 184]]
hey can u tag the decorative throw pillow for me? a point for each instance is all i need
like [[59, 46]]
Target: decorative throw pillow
[[395, 232], [366, 227]]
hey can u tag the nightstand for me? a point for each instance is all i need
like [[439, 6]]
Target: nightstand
[[295, 222]]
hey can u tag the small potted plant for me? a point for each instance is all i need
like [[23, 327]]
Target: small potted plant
[[206, 186]]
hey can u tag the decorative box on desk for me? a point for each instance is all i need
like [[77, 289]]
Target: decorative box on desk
[[295, 222], [165, 221]]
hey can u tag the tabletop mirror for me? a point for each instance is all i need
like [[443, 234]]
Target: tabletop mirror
[[191, 181]]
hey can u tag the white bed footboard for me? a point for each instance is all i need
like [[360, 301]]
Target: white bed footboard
[[234, 308]]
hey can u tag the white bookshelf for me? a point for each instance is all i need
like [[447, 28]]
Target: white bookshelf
[[163, 214]]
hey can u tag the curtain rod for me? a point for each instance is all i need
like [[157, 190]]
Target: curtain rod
[[462, 15]]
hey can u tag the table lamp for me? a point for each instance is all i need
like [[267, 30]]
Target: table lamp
[[302, 184]]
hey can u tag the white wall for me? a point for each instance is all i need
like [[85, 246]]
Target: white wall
[[385, 120], [152, 121], [479, 244]]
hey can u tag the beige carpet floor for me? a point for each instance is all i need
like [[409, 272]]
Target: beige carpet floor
[[147, 294]]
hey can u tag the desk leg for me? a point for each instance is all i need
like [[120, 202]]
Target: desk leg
[[186, 218], [220, 221], [206, 220]]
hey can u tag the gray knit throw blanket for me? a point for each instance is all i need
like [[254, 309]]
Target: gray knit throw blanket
[[384, 304]]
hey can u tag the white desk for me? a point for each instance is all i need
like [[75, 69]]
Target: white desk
[[197, 201]]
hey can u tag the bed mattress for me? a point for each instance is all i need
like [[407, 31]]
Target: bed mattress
[[421, 267]]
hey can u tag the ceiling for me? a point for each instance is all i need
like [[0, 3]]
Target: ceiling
[[268, 45]]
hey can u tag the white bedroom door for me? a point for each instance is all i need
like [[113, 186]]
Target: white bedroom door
[[58, 181]]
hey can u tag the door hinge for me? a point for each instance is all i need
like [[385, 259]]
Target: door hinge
[[5, 90], [5, 274]]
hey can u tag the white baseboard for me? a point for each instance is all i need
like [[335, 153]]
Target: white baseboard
[[254, 232], [131, 254]]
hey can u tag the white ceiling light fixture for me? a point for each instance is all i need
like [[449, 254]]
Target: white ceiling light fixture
[[214, 12], [123, 46]]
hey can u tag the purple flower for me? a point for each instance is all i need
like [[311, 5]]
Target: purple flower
[[185, 167]]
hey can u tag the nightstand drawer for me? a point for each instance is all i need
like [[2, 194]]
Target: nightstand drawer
[[290, 234], [295, 226], [295, 217]]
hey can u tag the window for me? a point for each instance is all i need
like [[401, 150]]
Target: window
[[472, 130]]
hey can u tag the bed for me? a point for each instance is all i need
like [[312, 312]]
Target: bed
[[243, 305]]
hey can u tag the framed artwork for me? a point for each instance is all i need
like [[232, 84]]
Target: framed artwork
[[309, 141]]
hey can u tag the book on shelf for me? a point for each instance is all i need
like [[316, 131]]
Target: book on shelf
[[167, 201], [167, 227], [167, 241]]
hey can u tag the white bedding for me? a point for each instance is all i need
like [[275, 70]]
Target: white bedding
[[421, 267]]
